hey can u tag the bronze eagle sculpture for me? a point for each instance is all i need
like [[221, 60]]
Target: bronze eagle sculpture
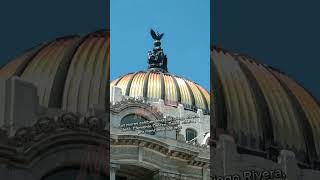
[[156, 35]]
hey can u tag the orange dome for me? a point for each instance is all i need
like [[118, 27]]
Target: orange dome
[[70, 72], [155, 85], [263, 107]]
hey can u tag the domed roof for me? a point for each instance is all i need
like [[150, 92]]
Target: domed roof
[[71, 72], [157, 83], [154, 85], [263, 107]]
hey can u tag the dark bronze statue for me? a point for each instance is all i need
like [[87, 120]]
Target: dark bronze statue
[[156, 36], [157, 60]]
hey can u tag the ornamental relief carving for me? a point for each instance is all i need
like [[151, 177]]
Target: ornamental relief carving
[[45, 127], [135, 103]]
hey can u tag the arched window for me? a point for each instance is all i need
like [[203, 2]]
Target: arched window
[[190, 134], [135, 118]]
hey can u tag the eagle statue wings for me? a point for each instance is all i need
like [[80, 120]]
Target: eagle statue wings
[[156, 36]]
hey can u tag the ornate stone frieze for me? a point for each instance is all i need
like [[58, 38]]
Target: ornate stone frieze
[[47, 128], [189, 154], [130, 102]]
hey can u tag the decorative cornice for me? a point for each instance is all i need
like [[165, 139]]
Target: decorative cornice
[[143, 106], [130, 102], [190, 154], [70, 128]]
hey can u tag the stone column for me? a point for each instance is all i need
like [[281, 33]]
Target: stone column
[[161, 106], [205, 173], [113, 170], [181, 110], [115, 95], [226, 158], [200, 114], [16, 113], [289, 165]]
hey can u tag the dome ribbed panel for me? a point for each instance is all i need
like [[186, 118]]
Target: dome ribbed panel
[[145, 85], [70, 72], [123, 83], [309, 106], [103, 74], [136, 89], [45, 68], [154, 86], [87, 75], [75, 76], [16, 66], [260, 106], [95, 78], [163, 87], [239, 100], [284, 119], [115, 82], [170, 90], [205, 95], [199, 101], [219, 115], [255, 95], [185, 94]]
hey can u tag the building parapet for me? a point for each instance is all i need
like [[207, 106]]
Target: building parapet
[[226, 161]]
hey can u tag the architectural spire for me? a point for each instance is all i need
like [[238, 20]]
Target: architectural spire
[[157, 60]]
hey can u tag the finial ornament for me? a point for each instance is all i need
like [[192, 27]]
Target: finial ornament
[[157, 60]]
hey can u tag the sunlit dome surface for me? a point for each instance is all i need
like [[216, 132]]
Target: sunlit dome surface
[[155, 85], [71, 72], [263, 107]]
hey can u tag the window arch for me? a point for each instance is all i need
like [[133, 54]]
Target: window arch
[[191, 134], [136, 118]]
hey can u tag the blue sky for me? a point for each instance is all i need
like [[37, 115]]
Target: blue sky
[[25, 24], [186, 42], [282, 34]]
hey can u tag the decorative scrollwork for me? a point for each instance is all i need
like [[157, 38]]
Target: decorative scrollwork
[[94, 123], [23, 136], [45, 125], [129, 101], [69, 120]]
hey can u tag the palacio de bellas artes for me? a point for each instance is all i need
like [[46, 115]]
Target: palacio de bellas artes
[[58, 120], [61, 117], [160, 123]]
